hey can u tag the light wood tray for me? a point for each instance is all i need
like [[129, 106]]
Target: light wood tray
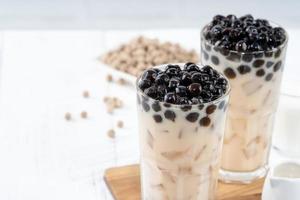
[[124, 184]]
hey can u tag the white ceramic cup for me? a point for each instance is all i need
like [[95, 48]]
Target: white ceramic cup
[[283, 182]]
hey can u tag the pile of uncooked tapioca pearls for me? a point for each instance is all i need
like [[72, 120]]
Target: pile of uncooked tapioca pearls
[[111, 103], [142, 53]]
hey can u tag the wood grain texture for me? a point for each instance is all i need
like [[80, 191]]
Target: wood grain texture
[[124, 184]]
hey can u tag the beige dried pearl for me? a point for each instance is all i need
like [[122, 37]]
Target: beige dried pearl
[[122, 81], [109, 78], [111, 133], [68, 116], [84, 114], [86, 94], [120, 124]]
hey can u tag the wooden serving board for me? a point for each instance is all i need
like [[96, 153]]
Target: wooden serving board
[[124, 184]]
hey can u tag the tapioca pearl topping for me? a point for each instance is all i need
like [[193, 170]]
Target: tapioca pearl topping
[[243, 69], [243, 34], [183, 86], [157, 118], [192, 117], [258, 63], [277, 66], [221, 105], [268, 54], [260, 72]]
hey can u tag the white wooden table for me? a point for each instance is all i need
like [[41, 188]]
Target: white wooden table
[[43, 74]]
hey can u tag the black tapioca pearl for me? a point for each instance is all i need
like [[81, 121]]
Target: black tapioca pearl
[[221, 105], [205, 55], [167, 105], [186, 108], [269, 77], [224, 52], [215, 60], [277, 66], [229, 73], [258, 55], [207, 47], [201, 106], [258, 63], [233, 56], [205, 121], [210, 109], [192, 117], [170, 115], [244, 69], [145, 106], [268, 54], [247, 57], [260, 72], [269, 64], [277, 53], [156, 107], [157, 118]]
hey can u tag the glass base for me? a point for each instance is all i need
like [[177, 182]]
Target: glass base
[[242, 177]]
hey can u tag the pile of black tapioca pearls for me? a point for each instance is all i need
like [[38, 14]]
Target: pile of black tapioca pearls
[[244, 39], [187, 87]]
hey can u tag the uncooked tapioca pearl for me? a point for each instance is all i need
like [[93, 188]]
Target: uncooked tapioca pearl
[[247, 57], [145, 106], [210, 109], [120, 124], [86, 94], [170, 115], [68, 116], [269, 77], [192, 117], [186, 108], [215, 60], [277, 53], [244, 69], [229, 73], [206, 56], [260, 72], [157, 118], [205, 121], [201, 106], [268, 54], [84, 114], [258, 63], [277, 66], [221, 105], [109, 78], [269, 64], [111, 133], [156, 107]]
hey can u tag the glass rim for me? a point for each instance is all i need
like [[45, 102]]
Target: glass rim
[[273, 24], [214, 102]]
